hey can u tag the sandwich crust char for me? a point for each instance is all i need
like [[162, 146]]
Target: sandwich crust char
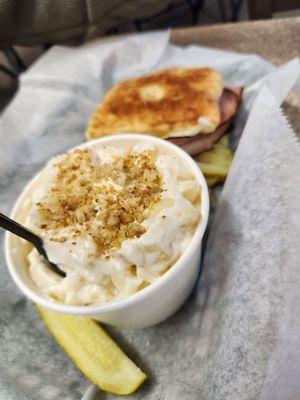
[[169, 103]]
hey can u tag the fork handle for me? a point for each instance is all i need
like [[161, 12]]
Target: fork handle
[[19, 230]]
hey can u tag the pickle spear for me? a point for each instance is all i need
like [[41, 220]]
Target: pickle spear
[[97, 356]]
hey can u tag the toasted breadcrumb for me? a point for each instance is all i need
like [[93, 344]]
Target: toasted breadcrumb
[[107, 201]]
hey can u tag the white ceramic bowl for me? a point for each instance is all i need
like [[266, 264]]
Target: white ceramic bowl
[[151, 305]]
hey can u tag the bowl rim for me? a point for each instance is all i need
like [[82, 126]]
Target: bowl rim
[[169, 275]]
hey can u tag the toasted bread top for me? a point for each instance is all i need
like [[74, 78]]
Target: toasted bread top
[[174, 102]]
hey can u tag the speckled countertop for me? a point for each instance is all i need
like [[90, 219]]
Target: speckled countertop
[[277, 40]]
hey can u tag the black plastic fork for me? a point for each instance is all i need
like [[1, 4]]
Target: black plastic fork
[[19, 230]]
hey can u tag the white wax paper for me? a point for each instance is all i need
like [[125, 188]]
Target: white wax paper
[[237, 337]]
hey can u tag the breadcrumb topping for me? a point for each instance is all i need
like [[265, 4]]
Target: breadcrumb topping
[[107, 201]]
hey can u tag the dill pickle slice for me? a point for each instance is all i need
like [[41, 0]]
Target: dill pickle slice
[[216, 162]]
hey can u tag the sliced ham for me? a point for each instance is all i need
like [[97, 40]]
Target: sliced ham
[[229, 103], [200, 143], [238, 90]]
